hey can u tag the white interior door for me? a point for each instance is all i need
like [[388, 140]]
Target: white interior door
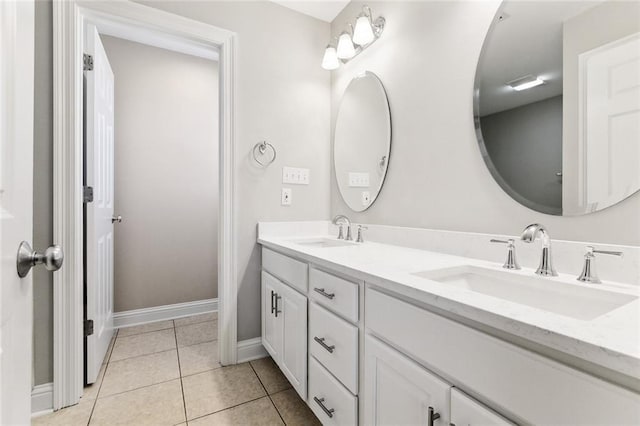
[[610, 121], [99, 212], [16, 207]]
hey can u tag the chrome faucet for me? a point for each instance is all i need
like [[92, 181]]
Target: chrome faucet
[[339, 220], [529, 235], [511, 262], [588, 274]]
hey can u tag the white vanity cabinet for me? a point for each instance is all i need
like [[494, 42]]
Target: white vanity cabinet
[[398, 391], [284, 330], [466, 411]]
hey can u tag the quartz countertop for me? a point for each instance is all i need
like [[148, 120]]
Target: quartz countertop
[[611, 340]]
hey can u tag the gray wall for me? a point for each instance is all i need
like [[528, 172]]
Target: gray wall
[[166, 175], [282, 95], [525, 146], [426, 58]]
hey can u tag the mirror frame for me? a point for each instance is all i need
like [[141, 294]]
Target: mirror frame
[[389, 136]]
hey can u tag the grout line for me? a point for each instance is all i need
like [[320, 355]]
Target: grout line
[[140, 356], [144, 332], [228, 408], [184, 402], [267, 392], [106, 367]]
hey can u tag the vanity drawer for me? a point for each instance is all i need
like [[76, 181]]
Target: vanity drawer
[[291, 271], [336, 294], [331, 402], [334, 342], [521, 384]]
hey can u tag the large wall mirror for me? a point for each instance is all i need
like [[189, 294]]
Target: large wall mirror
[[362, 141], [557, 103]]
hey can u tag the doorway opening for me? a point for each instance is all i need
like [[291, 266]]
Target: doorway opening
[[146, 26]]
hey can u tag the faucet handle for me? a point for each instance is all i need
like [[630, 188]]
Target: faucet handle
[[340, 232], [511, 262], [359, 238], [588, 274]]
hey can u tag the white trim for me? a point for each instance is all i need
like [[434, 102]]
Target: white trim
[[251, 349], [42, 399], [164, 312], [69, 18]]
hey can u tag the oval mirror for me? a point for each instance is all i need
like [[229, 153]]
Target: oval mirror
[[362, 141], [557, 103]]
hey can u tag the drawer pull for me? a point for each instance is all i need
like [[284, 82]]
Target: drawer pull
[[328, 411], [276, 299], [273, 307], [433, 416], [321, 342], [322, 292]]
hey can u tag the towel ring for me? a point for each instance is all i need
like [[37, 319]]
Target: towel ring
[[260, 149]]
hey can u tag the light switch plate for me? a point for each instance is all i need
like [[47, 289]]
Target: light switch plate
[[296, 176], [358, 180], [286, 197]]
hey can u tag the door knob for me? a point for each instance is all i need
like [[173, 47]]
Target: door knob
[[52, 258], [116, 219]]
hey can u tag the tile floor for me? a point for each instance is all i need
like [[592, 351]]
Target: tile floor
[[167, 373]]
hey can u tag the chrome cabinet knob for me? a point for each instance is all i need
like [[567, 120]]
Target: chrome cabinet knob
[[52, 258], [116, 219]]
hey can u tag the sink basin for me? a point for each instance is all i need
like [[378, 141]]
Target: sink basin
[[572, 300], [324, 242]]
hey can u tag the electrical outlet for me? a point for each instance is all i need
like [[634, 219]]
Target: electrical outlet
[[366, 198], [286, 196]]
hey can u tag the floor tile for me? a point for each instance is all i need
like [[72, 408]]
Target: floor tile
[[198, 358], [258, 412], [70, 416], [145, 328], [270, 375], [211, 316], [143, 344], [197, 333], [145, 370], [90, 392], [293, 409], [215, 390], [159, 404]]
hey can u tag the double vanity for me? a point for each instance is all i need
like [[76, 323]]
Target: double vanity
[[390, 333]]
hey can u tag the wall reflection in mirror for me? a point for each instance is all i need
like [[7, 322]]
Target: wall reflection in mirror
[[557, 103], [362, 141]]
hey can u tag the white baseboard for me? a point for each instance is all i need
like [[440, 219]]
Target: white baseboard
[[165, 312], [42, 399], [251, 349]]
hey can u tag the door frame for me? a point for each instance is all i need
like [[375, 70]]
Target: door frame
[[69, 18]]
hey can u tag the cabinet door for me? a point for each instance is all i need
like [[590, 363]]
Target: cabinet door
[[292, 311], [399, 391], [271, 324], [466, 411]]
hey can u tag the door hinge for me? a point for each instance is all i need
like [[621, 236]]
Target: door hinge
[[87, 194], [88, 328], [87, 62]]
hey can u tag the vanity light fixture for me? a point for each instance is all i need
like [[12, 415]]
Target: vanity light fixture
[[330, 60], [346, 49], [526, 82], [366, 31]]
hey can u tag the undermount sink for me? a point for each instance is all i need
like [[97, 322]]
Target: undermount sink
[[324, 242], [573, 300]]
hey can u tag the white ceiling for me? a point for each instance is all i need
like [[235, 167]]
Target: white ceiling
[[528, 41], [320, 9]]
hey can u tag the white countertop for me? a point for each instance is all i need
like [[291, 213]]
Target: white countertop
[[611, 340]]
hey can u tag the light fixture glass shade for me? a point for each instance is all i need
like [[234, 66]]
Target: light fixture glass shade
[[363, 33], [330, 59], [346, 49]]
